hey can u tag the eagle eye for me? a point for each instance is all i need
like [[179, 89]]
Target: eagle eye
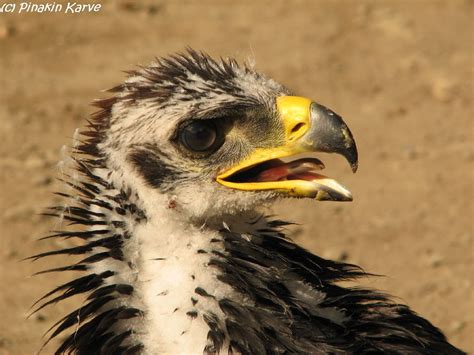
[[200, 136]]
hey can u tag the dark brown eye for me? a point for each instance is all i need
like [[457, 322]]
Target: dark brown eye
[[199, 136]]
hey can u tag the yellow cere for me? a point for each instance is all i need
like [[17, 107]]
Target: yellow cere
[[295, 115]]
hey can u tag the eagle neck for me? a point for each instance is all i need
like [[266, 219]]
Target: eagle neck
[[168, 260]]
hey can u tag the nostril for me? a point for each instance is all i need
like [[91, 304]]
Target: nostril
[[297, 127], [296, 130]]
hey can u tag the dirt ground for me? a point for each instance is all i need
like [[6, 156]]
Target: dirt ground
[[399, 72]]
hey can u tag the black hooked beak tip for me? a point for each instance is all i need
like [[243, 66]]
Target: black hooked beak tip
[[329, 134]]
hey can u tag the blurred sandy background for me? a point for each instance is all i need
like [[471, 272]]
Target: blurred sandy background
[[399, 72]]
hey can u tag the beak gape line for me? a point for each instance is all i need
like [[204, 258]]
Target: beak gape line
[[309, 128]]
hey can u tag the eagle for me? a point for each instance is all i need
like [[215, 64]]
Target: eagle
[[174, 253]]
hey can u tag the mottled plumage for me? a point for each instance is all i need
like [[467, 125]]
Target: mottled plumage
[[174, 262]]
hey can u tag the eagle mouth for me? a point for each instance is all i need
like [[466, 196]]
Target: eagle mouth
[[279, 170], [307, 128], [293, 177]]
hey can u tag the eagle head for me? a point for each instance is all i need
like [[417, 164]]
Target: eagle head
[[212, 137]]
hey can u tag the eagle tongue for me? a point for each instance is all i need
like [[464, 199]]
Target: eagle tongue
[[273, 174], [297, 169]]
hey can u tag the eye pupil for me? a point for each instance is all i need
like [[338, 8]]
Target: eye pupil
[[199, 136]]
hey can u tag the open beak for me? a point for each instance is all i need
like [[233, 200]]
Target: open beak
[[309, 128]]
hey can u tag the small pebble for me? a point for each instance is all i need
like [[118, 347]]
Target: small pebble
[[153, 9], [42, 180], [336, 254], [436, 260], [4, 342], [12, 255], [40, 317], [6, 31], [131, 6], [457, 326], [443, 89]]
